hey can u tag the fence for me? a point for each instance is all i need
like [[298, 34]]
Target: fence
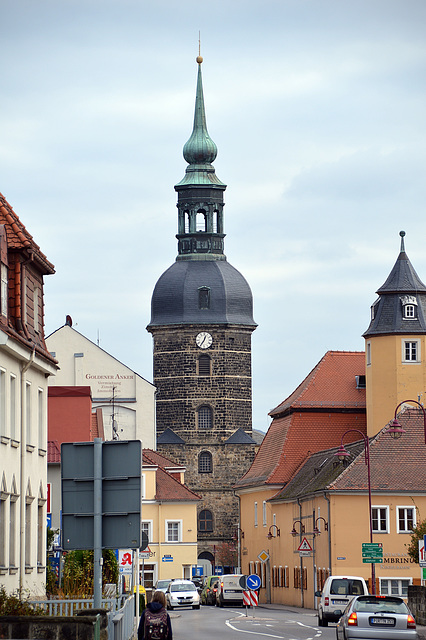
[[71, 607], [121, 623]]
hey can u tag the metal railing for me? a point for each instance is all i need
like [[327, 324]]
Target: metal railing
[[71, 607], [121, 624]]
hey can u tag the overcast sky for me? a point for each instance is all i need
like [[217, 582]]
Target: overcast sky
[[318, 110]]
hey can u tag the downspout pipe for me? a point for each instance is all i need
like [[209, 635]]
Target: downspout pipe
[[24, 369], [329, 531]]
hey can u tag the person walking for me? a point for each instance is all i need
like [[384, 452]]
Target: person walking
[[155, 623]]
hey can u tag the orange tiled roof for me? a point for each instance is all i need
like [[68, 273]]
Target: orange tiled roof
[[53, 451], [396, 465], [314, 416], [331, 383], [168, 489], [19, 238], [151, 457]]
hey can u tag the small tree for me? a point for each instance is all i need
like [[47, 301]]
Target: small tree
[[78, 572], [417, 534], [226, 554]]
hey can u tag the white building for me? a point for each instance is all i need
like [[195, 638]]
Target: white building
[[127, 400], [25, 365]]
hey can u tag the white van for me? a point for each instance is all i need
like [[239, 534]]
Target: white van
[[337, 593], [229, 590]]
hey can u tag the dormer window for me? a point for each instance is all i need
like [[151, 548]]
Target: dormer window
[[409, 307], [204, 298]]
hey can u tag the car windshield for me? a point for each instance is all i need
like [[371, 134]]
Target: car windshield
[[378, 605], [162, 583], [182, 587], [346, 587]]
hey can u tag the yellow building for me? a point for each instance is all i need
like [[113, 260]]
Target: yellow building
[[395, 347], [169, 518], [305, 516]]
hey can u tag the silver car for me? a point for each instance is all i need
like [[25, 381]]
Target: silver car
[[377, 618], [182, 593]]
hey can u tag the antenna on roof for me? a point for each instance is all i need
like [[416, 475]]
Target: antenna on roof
[[402, 234]]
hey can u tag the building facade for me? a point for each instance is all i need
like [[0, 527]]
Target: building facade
[[201, 323], [25, 365], [127, 400]]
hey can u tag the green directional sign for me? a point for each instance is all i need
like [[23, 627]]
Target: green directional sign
[[372, 552]]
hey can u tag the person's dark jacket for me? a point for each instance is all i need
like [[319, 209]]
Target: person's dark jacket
[[154, 607]]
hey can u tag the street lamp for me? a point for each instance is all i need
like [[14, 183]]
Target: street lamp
[[302, 528], [342, 453], [317, 531], [238, 536], [273, 535], [395, 430]]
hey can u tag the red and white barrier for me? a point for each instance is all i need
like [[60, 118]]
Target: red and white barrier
[[250, 598]]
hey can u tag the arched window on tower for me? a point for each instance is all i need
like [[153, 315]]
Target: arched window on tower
[[186, 214], [205, 521], [205, 417], [204, 366], [201, 220], [205, 462]]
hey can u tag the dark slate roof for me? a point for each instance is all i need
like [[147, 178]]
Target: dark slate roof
[[388, 310], [175, 297], [169, 437], [240, 437]]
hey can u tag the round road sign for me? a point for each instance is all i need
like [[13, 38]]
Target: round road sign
[[253, 582]]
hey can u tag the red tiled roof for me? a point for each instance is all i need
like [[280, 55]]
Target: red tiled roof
[[53, 451], [19, 238], [151, 457], [314, 417], [396, 465], [168, 489], [331, 383]]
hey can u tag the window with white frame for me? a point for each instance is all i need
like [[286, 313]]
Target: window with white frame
[[406, 519], [264, 513], [2, 531], [3, 402], [3, 290], [255, 514], [411, 351], [40, 418], [28, 411], [147, 529], [368, 354], [12, 406], [380, 519], [394, 587], [409, 307], [173, 530]]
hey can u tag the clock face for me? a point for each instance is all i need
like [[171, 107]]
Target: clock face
[[204, 340]]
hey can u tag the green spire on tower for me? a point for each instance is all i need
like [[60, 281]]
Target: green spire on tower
[[200, 150]]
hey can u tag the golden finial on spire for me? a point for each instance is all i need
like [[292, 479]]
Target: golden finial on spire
[[199, 57]]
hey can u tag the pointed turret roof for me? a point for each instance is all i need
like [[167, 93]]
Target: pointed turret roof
[[200, 150], [403, 286], [403, 277]]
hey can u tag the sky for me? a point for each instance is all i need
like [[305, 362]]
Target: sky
[[318, 110]]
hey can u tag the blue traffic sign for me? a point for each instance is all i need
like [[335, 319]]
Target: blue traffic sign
[[253, 582]]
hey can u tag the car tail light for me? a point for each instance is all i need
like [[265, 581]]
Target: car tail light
[[214, 590], [411, 623], [326, 602], [352, 620]]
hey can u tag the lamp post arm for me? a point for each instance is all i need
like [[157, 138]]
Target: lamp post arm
[[421, 407]]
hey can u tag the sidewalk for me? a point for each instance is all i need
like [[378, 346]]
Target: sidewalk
[[421, 631]]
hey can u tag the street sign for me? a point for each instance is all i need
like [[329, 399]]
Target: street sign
[[125, 561], [422, 559], [167, 559], [120, 481], [253, 582], [145, 554], [372, 552], [304, 546], [263, 556]]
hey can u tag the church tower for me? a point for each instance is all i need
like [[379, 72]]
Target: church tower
[[395, 345], [201, 323]]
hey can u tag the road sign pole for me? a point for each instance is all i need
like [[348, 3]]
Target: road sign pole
[[97, 523]]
